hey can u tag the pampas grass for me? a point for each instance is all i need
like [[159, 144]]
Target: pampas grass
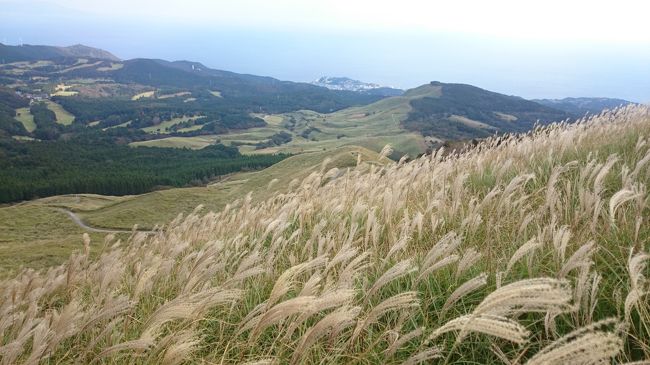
[[523, 243]]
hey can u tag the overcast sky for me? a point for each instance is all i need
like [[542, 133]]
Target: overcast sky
[[529, 48]]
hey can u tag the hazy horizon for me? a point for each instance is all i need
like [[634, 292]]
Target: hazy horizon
[[503, 48]]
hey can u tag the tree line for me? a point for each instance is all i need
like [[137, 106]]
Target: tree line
[[31, 170]]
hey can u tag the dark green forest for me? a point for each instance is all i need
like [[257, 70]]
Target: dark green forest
[[31, 170], [9, 101]]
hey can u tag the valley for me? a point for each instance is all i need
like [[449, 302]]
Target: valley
[[82, 102], [324, 182]]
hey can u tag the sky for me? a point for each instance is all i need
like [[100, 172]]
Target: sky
[[530, 48]]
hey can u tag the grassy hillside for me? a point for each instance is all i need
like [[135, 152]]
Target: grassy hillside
[[99, 91], [29, 52], [160, 207], [62, 116], [530, 250], [465, 111], [419, 120], [37, 234], [582, 106], [371, 126], [26, 118]]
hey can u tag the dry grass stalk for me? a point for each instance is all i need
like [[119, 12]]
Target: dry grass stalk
[[488, 324], [333, 322], [402, 340], [466, 288], [398, 270], [400, 301], [587, 345], [324, 240], [424, 356], [529, 295]]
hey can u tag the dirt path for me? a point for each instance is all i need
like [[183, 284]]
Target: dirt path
[[77, 220]]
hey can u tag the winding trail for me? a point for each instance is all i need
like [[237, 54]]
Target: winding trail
[[77, 220]]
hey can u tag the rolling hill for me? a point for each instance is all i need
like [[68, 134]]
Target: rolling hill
[[44, 235], [28, 52], [419, 120], [582, 106], [144, 98], [465, 111], [531, 249]]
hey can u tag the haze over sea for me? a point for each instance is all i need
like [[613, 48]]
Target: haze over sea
[[526, 56]]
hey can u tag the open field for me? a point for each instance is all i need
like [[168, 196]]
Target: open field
[[175, 95], [146, 94], [82, 63], [530, 249], [36, 236], [162, 127], [114, 66], [64, 93], [196, 142], [24, 138], [24, 116], [64, 90], [62, 116]]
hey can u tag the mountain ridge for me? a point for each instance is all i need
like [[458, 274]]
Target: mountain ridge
[[28, 52], [583, 105]]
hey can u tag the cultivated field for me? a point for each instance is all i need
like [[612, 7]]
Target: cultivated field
[[24, 116], [62, 115], [146, 94], [162, 127], [523, 250], [113, 67]]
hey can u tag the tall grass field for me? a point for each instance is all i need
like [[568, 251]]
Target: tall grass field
[[528, 249]]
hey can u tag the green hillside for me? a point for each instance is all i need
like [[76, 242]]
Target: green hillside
[[26, 52], [421, 119], [465, 111], [582, 106], [38, 234], [531, 249]]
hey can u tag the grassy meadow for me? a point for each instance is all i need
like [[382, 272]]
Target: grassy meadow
[[162, 127], [24, 116], [371, 126], [36, 236], [62, 116], [529, 249]]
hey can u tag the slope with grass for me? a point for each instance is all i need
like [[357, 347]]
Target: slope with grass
[[39, 234], [36, 236], [156, 208], [529, 250], [26, 118], [420, 120], [29, 52], [371, 126], [466, 111], [62, 116], [582, 106]]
